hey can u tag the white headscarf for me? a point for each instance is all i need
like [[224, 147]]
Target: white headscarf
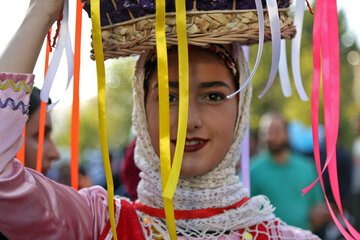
[[219, 187]]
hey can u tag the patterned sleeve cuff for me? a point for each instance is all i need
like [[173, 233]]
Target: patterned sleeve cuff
[[15, 89], [17, 81]]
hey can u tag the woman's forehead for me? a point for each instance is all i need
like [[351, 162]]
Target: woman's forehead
[[212, 63], [202, 75], [196, 55]]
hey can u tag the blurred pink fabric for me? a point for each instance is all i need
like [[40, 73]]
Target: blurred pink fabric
[[31, 205]]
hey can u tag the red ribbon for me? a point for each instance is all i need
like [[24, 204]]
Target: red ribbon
[[187, 214], [309, 7]]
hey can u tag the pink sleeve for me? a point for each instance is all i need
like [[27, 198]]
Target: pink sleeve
[[31, 205]]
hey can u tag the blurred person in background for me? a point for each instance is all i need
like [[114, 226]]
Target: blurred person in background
[[254, 143], [50, 151], [281, 174], [356, 157], [355, 189], [84, 179]]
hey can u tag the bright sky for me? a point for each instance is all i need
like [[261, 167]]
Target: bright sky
[[12, 12], [11, 15]]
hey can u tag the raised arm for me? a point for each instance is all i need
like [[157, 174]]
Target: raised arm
[[31, 205], [23, 49]]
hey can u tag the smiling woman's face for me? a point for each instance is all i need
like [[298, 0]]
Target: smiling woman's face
[[212, 117]]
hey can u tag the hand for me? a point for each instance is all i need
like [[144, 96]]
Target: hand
[[319, 216], [50, 9]]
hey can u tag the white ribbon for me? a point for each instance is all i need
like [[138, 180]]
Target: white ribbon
[[283, 71], [295, 49], [64, 41], [245, 145], [276, 37], [260, 14], [245, 160]]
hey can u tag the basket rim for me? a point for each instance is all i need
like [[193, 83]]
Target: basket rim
[[188, 13]]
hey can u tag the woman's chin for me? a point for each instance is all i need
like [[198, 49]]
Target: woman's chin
[[192, 171]]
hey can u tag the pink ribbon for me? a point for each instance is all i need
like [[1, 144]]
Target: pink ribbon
[[326, 56]]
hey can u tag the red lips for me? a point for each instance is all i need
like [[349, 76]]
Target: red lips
[[193, 144]]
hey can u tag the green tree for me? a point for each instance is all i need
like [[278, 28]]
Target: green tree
[[119, 75]]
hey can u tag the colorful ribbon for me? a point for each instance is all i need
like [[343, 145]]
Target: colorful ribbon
[[295, 49], [164, 113], [170, 174], [21, 153], [41, 136], [283, 71], [245, 160], [276, 37], [75, 115], [331, 74], [42, 116], [260, 13], [245, 144], [173, 179], [64, 42], [326, 58], [100, 69]]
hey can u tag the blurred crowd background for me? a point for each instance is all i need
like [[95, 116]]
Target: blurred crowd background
[[280, 135]]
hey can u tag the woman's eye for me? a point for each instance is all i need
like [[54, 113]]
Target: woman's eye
[[173, 98], [215, 97]]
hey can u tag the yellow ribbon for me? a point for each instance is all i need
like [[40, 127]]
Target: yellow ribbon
[[163, 88], [170, 174], [99, 56]]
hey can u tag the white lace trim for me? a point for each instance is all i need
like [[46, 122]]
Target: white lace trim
[[273, 228]]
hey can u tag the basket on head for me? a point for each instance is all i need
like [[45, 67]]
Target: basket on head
[[128, 26]]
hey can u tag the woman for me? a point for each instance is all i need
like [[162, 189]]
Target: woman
[[51, 152], [210, 201]]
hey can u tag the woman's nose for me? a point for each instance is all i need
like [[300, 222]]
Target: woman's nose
[[52, 151], [194, 116]]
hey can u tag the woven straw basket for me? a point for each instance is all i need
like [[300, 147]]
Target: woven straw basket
[[137, 35]]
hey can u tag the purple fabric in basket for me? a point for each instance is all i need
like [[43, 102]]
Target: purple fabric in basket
[[146, 7]]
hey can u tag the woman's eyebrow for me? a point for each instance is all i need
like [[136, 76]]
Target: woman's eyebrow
[[215, 84], [172, 84]]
